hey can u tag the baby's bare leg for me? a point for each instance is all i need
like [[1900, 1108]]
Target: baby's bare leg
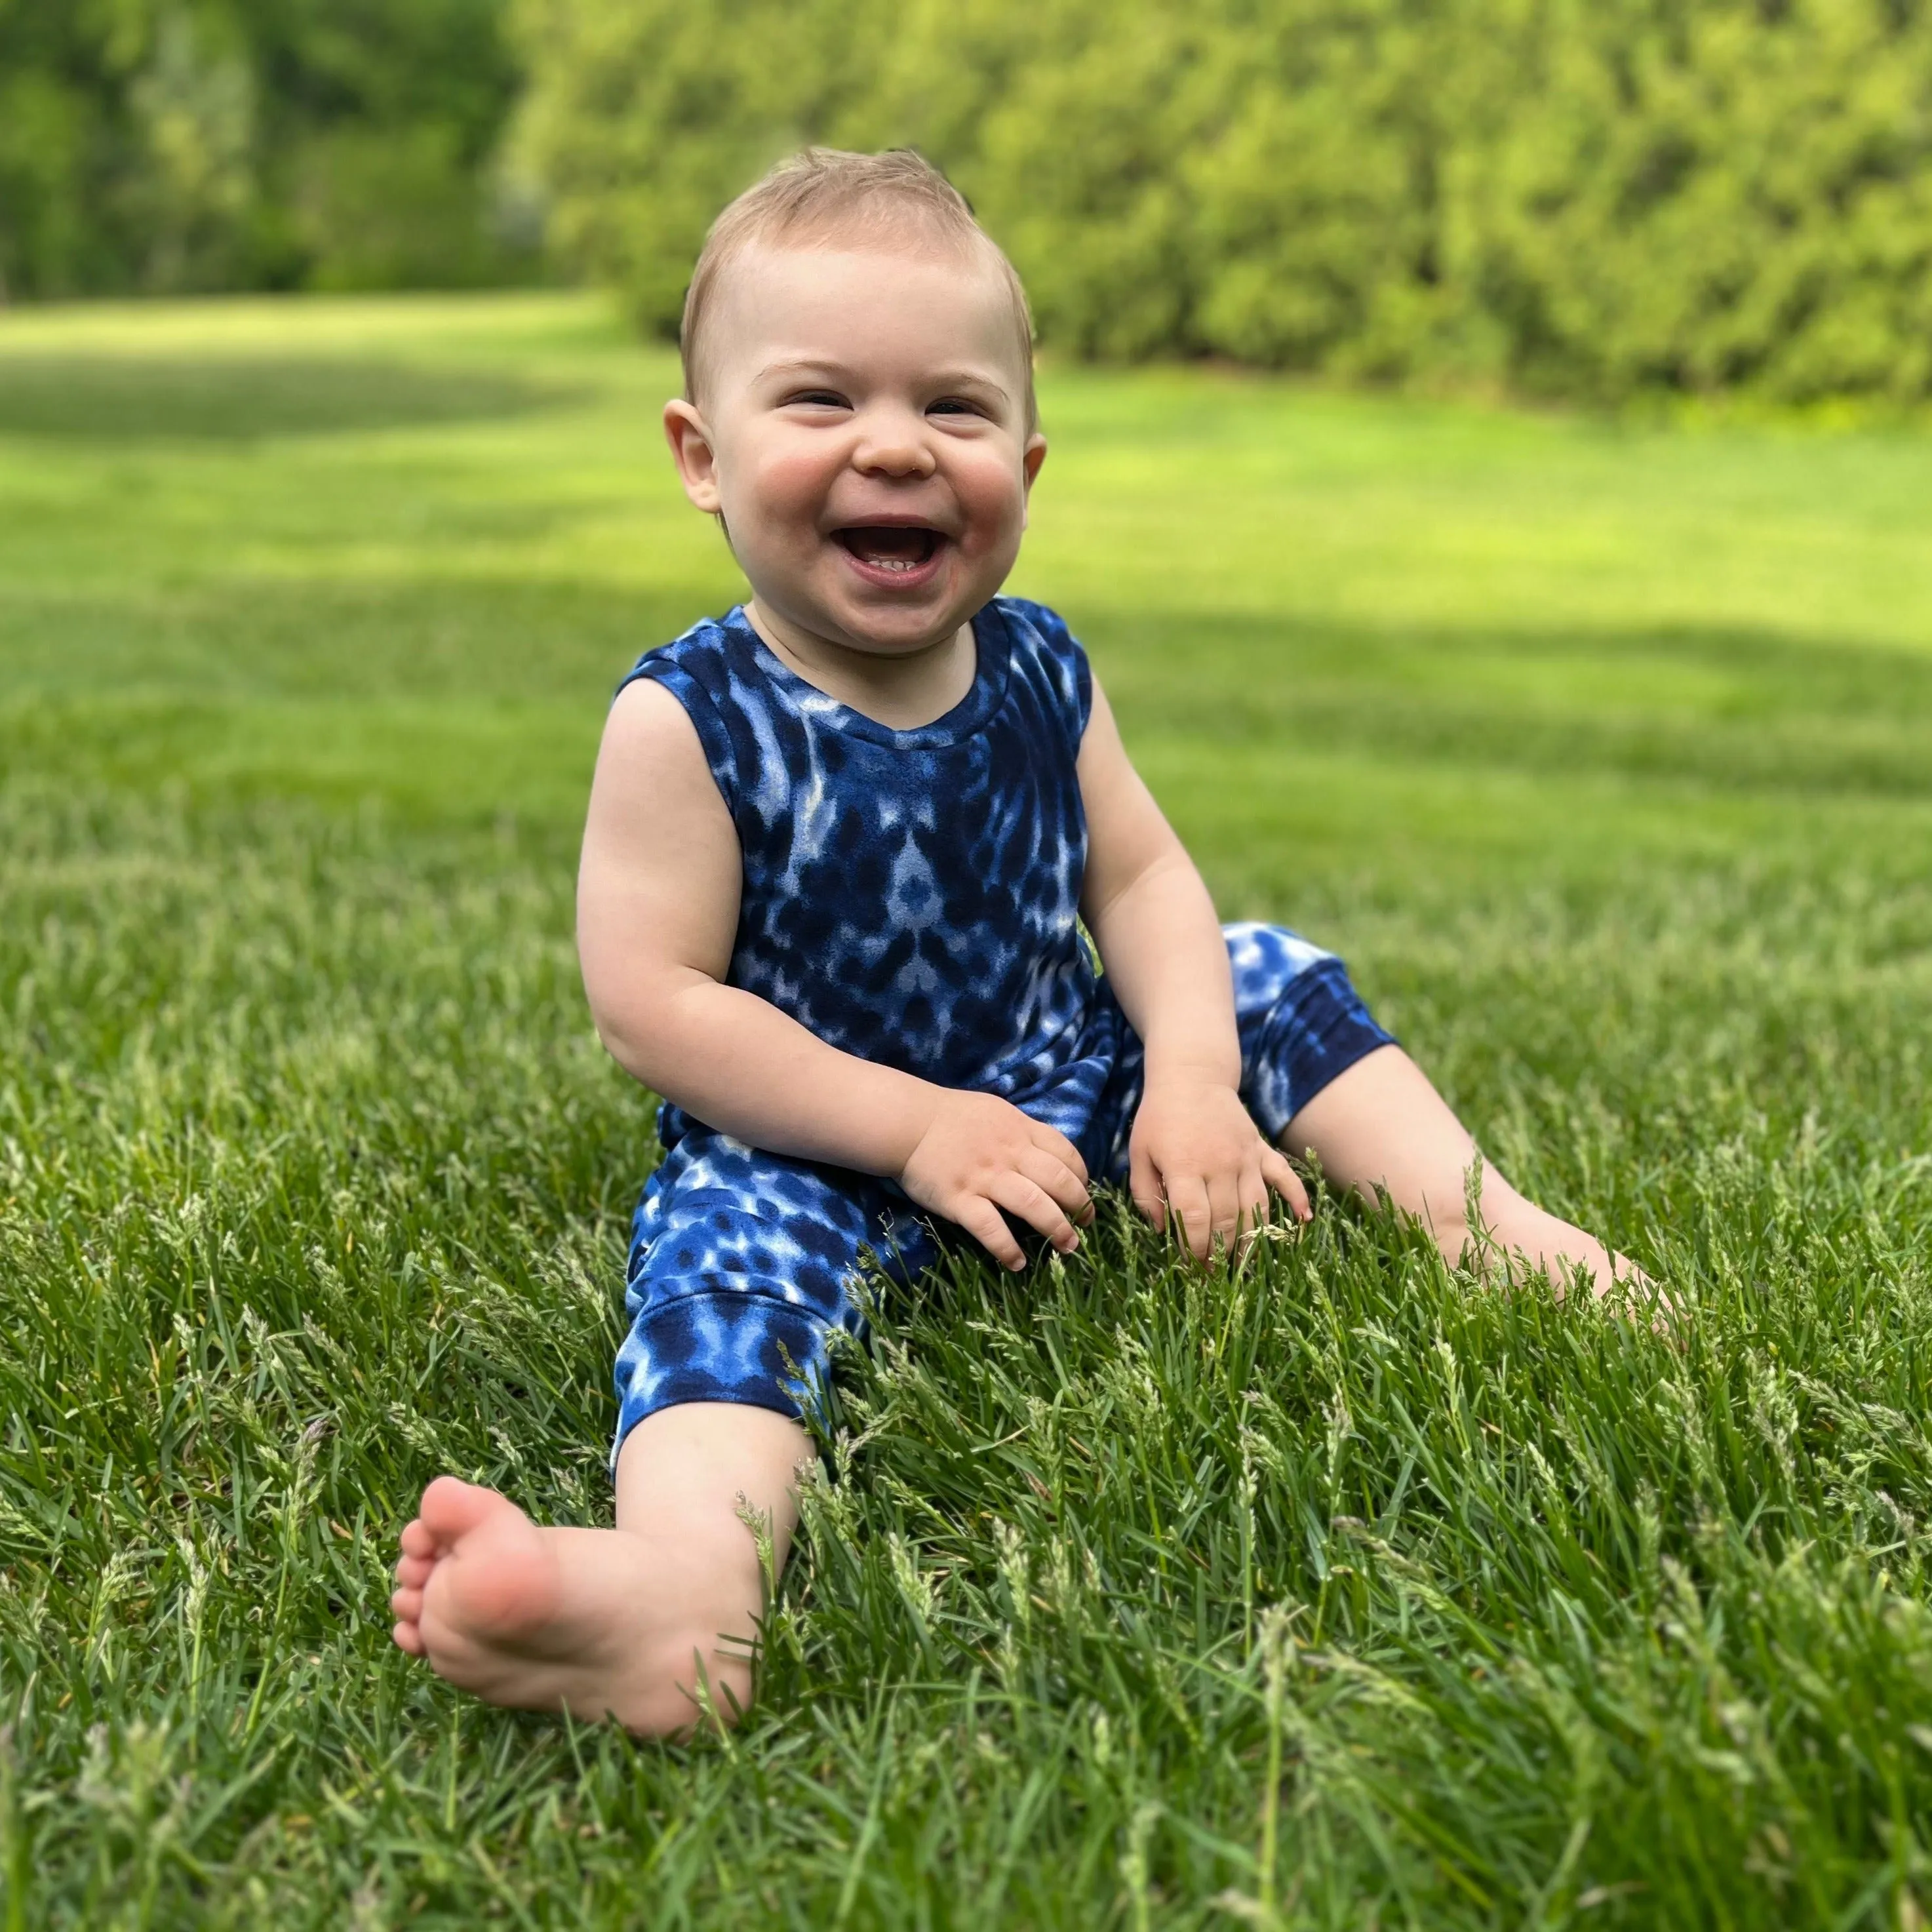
[[620, 1622], [1382, 1125]]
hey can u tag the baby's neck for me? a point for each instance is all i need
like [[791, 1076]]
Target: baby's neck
[[902, 692]]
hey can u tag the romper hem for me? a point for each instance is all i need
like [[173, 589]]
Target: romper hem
[[757, 1351], [1331, 1031]]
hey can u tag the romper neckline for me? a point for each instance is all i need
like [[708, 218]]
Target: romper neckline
[[992, 647]]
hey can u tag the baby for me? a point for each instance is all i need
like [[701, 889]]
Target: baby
[[842, 842]]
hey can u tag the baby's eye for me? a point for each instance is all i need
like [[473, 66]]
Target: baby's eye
[[817, 399], [954, 406]]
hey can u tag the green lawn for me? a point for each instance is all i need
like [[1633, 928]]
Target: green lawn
[[1349, 1592]]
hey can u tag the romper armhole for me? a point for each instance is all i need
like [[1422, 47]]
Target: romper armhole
[[1073, 655], [719, 753], [1068, 657]]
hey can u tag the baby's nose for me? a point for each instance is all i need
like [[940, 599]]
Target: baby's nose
[[894, 446]]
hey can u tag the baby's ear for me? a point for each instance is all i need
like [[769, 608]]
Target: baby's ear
[[1034, 455], [691, 451]]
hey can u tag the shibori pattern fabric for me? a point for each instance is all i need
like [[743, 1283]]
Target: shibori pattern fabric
[[910, 897]]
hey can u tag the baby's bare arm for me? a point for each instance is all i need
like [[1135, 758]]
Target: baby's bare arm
[[1151, 917], [657, 911], [1194, 1151]]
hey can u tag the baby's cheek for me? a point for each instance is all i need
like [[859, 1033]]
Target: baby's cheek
[[790, 487], [988, 490], [774, 521]]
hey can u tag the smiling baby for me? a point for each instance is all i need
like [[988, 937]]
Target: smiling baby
[[842, 843]]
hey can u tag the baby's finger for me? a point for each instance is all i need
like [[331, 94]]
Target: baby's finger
[[1036, 1207], [987, 1226], [1255, 1203], [1187, 1203], [1051, 1141], [1224, 1206], [1280, 1175], [1143, 1184], [1252, 1191], [1059, 1180]]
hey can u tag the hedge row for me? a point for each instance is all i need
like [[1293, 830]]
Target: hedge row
[[1576, 197], [160, 145]]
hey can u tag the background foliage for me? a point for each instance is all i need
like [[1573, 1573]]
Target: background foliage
[[1583, 197], [155, 145]]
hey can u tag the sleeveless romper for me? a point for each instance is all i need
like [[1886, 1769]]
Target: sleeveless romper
[[911, 897]]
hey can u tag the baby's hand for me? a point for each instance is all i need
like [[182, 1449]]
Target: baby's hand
[[1196, 1155], [979, 1154]]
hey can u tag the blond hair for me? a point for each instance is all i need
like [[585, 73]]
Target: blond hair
[[825, 194]]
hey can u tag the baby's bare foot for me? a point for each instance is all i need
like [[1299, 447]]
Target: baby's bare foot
[[598, 1622]]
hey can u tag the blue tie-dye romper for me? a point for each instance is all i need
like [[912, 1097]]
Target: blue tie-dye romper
[[911, 897]]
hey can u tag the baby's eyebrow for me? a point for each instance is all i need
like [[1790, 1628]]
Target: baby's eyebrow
[[801, 366], [970, 379]]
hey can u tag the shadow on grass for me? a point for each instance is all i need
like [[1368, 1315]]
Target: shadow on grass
[[1729, 707], [245, 399], [455, 696]]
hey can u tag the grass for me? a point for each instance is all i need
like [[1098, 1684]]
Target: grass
[[1346, 1593]]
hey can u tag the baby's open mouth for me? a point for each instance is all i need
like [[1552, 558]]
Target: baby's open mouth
[[890, 546]]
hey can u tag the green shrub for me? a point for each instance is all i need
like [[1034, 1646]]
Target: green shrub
[[1578, 197], [162, 146]]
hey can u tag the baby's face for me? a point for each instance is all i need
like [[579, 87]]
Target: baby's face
[[862, 428]]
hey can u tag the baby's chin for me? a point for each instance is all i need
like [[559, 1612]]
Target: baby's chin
[[887, 623], [893, 641]]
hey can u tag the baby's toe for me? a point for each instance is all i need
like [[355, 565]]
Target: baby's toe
[[413, 1572], [409, 1638], [407, 1605], [418, 1540]]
